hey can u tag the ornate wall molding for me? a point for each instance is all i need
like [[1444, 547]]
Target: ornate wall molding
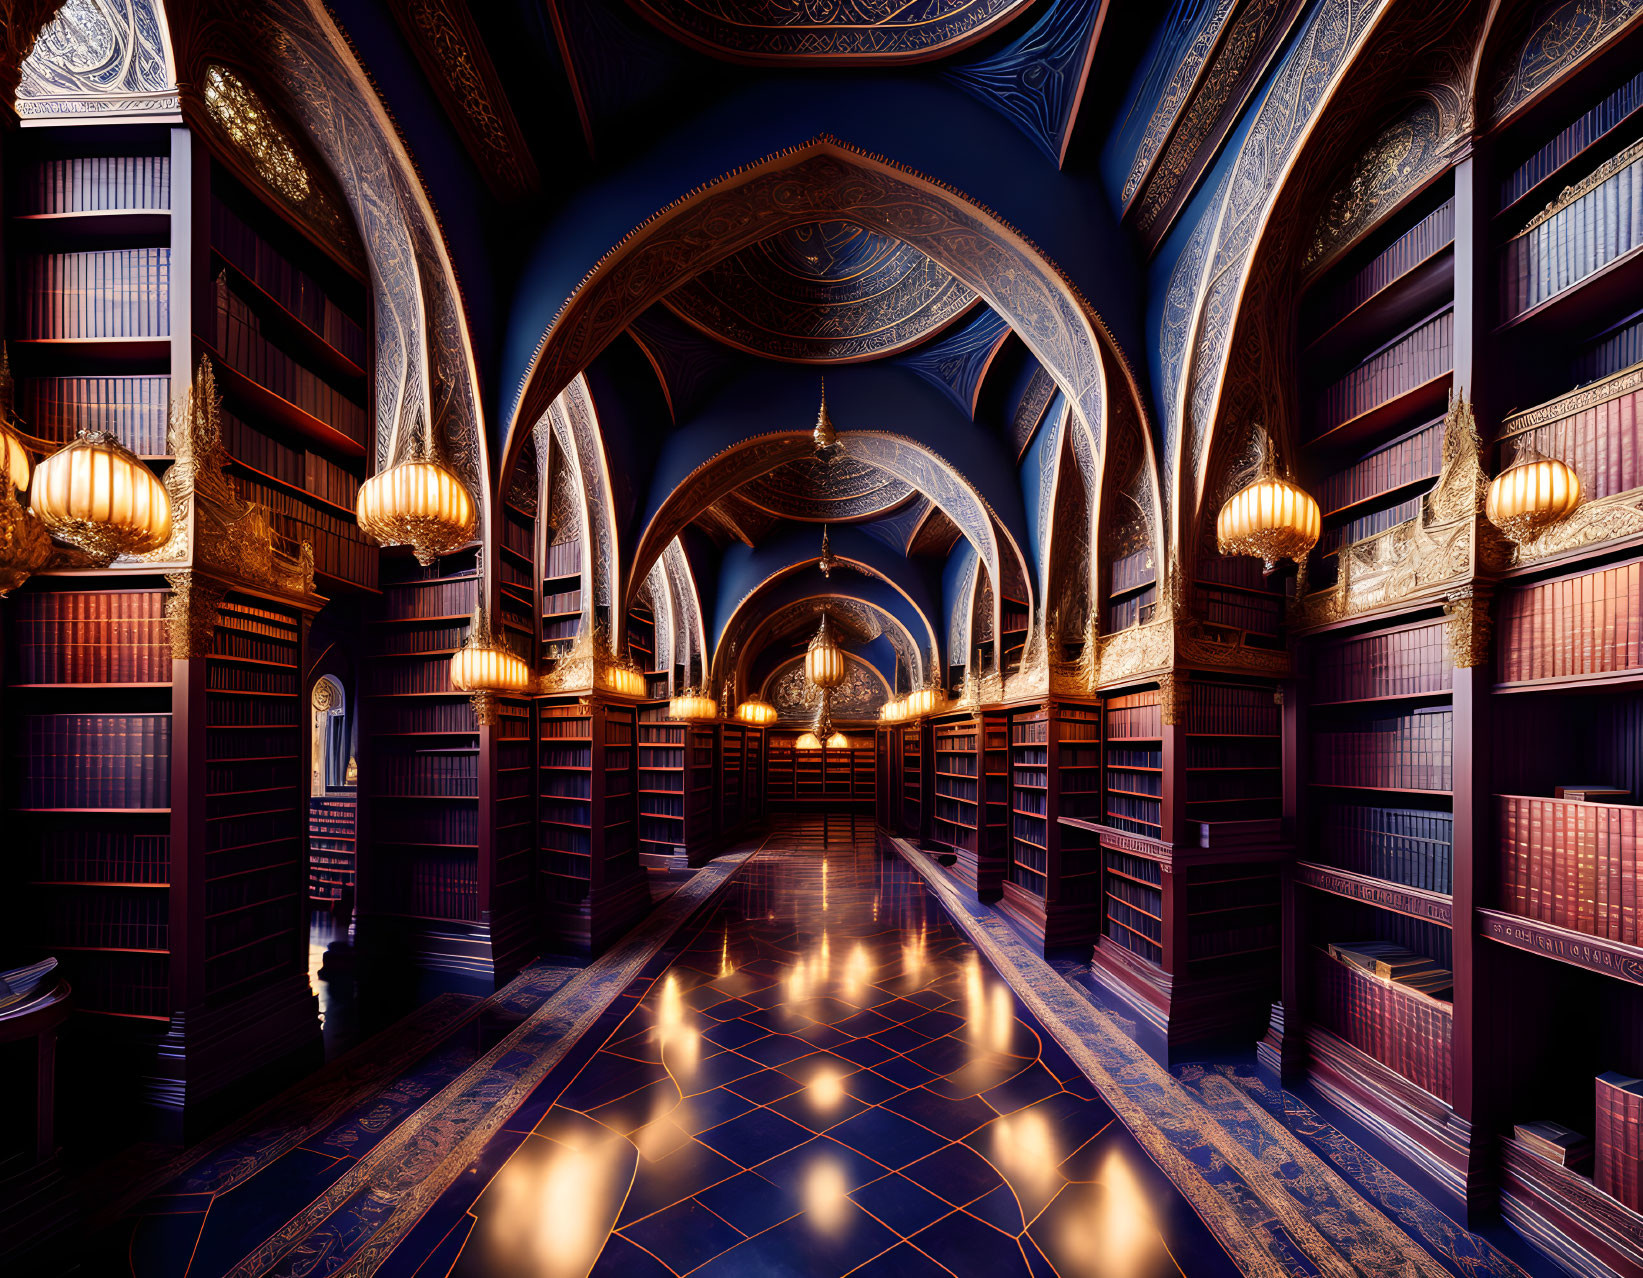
[[100, 59], [868, 31], [856, 700], [826, 179], [1467, 628], [425, 371], [191, 611]]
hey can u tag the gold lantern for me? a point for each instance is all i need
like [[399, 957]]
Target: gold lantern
[[97, 495], [756, 711], [419, 503], [893, 711], [485, 668], [824, 663], [692, 705], [1531, 495], [919, 703], [1269, 518], [625, 679], [838, 741], [807, 741]]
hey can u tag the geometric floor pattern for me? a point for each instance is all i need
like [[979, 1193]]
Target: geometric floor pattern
[[828, 1080], [808, 1061]]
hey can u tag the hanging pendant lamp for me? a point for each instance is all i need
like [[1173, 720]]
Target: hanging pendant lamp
[[1269, 518], [96, 494], [418, 502], [824, 663], [485, 668], [1531, 495]]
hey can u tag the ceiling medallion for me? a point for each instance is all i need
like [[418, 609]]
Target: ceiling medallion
[[825, 293]]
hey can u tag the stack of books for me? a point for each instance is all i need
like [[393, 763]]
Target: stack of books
[[1553, 1141], [1394, 963]]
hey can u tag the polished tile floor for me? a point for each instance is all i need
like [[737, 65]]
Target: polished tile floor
[[826, 1078]]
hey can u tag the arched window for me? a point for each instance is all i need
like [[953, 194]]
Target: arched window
[[329, 767]]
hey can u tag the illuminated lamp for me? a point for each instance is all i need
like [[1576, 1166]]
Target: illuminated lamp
[[1269, 518], [691, 704], [1531, 495], [808, 741], [96, 494], [625, 679], [485, 665], [756, 711], [14, 453], [824, 664], [838, 741], [418, 503], [920, 703]]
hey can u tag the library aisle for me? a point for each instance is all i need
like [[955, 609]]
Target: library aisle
[[800, 1063]]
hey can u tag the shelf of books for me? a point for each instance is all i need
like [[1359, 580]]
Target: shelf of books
[[955, 819], [1557, 916], [701, 776], [741, 778], [287, 336], [915, 770], [92, 792], [419, 821], [561, 597], [1052, 882], [831, 776], [332, 862], [594, 764], [1132, 596], [1379, 368], [662, 834]]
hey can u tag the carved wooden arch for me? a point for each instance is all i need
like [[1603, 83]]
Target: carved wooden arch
[[686, 605], [851, 662], [820, 180], [743, 625], [907, 459]]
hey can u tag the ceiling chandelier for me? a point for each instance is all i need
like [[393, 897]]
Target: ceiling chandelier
[[824, 664], [418, 502], [96, 494], [1531, 495], [485, 668], [826, 561], [1269, 518]]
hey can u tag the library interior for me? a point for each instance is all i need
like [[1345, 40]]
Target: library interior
[[818, 637]]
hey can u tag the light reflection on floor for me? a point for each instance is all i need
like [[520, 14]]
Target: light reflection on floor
[[828, 1079]]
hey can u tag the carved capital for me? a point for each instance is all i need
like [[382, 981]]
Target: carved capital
[[485, 707], [191, 613], [1174, 697], [1467, 628]]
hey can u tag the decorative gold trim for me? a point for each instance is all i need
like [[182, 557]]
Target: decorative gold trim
[[1467, 628], [1420, 555], [191, 612], [1576, 401], [486, 708], [1174, 697], [1608, 519]]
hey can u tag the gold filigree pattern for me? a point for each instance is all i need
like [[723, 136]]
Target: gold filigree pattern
[[1189, 62], [97, 58], [1561, 34], [1467, 628], [191, 613]]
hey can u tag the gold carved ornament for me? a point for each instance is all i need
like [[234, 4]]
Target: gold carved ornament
[[25, 547], [191, 613], [1467, 628]]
